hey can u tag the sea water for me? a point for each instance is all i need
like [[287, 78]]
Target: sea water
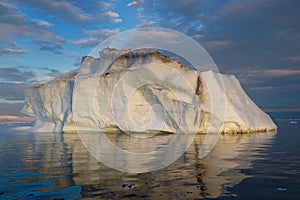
[[241, 166]]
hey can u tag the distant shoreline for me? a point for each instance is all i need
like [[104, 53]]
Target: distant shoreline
[[282, 110], [10, 119]]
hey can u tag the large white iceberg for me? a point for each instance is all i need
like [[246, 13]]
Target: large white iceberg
[[142, 91]]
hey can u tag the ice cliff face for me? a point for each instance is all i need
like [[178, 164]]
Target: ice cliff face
[[141, 91]]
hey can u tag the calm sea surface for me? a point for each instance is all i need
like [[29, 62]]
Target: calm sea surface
[[58, 166]]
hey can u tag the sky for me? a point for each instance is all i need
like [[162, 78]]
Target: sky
[[256, 40]]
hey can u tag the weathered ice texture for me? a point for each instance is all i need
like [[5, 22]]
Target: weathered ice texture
[[142, 91]]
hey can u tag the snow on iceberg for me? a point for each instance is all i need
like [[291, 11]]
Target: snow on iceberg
[[142, 91]]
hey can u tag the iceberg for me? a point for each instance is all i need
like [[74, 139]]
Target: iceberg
[[140, 91]]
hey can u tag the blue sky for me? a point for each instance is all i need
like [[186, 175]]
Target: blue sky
[[257, 40]]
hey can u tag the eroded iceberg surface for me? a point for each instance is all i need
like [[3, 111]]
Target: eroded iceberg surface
[[142, 91]]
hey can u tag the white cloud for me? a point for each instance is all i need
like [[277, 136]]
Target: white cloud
[[112, 16], [197, 36], [7, 5], [140, 16], [43, 22], [135, 3], [131, 4], [118, 20], [146, 24], [107, 5], [140, 9]]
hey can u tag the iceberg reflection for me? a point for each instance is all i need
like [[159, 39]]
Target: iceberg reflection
[[64, 156]]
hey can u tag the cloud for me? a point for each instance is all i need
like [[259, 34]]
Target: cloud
[[94, 37], [293, 58], [12, 91], [77, 64], [10, 51], [118, 20], [258, 32], [140, 16], [43, 22], [101, 34], [9, 74], [10, 48], [52, 46], [177, 13], [147, 24], [216, 45], [11, 97], [51, 72], [266, 77], [262, 32], [61, 10], [282, 72], [14, 24], [107, 5], [135, 3], [197, 36], [112, 16], [87, 42]]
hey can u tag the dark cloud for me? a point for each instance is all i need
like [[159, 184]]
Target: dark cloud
[[276, 97], [258, 41], [236, 33], [10, 48], [256, 78], [260, 33], [14, 24], [13, 82], [94, 37], [9, 74], [12, 96], [12, 91], [10, 51], [184, 16], [77, 64], [61, 10], [11, 109], [50, 71], [53, 73], [52, 46], [87, 42]]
